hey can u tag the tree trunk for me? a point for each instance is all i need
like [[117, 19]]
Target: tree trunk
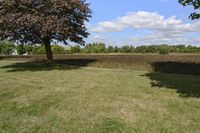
[[48, 51]]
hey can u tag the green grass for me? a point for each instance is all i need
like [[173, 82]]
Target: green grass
[[42, 98]]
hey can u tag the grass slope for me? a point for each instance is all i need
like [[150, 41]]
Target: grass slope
[[88, 100]]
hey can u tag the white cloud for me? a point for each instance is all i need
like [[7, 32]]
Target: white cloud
[[162, 29], [160, 39], [143, 20]]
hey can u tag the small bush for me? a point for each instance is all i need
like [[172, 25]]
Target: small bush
[[21, 49], [0, 47], [110, 49], [56, 49], [164, 51], [38, 50], [95, 48], [28, 48], [75, 49], [7, 47]]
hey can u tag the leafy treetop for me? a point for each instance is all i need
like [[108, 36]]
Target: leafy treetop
[[37, 21], [195, 4], [44, 21]]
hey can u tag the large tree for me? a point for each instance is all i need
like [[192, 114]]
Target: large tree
[[196, 6], [44, 21]]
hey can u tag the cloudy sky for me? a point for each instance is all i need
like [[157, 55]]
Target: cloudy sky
[[142, 22]]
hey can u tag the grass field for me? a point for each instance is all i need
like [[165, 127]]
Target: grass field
[[41, 98]]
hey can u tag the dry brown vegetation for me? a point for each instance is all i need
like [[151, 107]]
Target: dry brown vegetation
[[180, 63]]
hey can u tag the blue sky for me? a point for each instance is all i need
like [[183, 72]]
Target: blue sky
[[142, 22]]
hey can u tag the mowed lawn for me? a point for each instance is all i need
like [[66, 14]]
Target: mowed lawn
[[94, 100]]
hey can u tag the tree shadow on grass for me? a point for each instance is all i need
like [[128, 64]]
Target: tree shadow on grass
[[185, 85], [189, 68], [67, 64], [15, 57]]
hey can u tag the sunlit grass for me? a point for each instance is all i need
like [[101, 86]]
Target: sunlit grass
[[92, 100]]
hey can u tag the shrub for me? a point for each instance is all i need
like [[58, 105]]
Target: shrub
[[116, 49], [56, 49], [21, 49], [100, 48], [95, 48], [75, 49], [7, 47], [164, 50], [110, 49], [24, 48], [141, 49], [127, 49], [28, 48], [38, 50], [1, 47], [152, 49]]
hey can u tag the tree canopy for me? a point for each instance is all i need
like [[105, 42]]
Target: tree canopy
[[195, 4], [44, 21]]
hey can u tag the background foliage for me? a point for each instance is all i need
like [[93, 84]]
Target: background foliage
[[7, 48]]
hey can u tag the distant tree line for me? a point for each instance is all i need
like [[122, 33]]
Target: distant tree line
[[8, 48]]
